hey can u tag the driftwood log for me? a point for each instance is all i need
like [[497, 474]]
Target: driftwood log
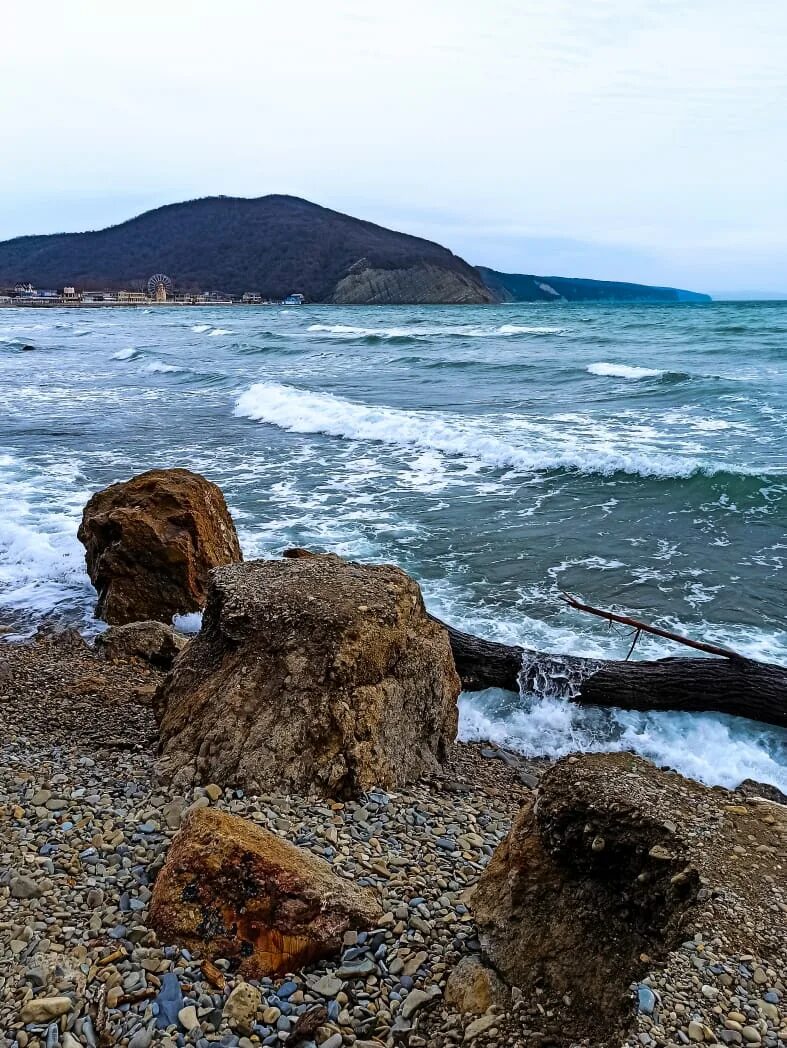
[[736, 686], [730, 684]]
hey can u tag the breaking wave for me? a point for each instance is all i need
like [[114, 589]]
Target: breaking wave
[[157, 367], [303, 411], [427, 330], [623, 371], [710, 747]]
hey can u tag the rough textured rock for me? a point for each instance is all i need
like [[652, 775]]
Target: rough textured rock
[[149, 641], [611, 868], [230, 889], [473, 987], [752, 788], [424, 283], [311, 675], [242, 1007], [151, 542]]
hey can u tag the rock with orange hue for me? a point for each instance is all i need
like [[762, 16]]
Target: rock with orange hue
[[312, 675], [230, 889], [151, 543]]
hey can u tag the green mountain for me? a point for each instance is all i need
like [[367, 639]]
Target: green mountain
[[524, 287], [272, 244]]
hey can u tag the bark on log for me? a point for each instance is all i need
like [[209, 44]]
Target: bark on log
[[740, 687]]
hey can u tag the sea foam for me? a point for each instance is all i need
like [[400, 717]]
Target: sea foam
[[157, 367], [712, 748], [541, 448], [427, 330], [623, 371]]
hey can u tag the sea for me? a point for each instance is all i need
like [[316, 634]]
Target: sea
[[633, 455]]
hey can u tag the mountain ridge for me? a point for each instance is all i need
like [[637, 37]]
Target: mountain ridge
[[527, 287], [279, 244], [275, 244]]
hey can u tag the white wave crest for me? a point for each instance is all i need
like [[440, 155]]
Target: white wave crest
[[190, 622], [623, 371], [716, 750], [200, 328], [421, 330], [157, 367], [543, 446], [124, 354]]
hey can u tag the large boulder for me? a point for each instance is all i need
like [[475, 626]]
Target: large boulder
[[151, 542], [311, 675], [231, 889], [620, 875]]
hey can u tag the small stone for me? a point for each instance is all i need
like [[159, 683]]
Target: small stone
[[327, 986], [169, 1001], [187, 1017], [417, 999], [646, 999], [241, 1008], [213, 791], [142, 1039], [25, 888], [357, 969], [750, 1035], [480, 1025], [44, 1009], [659, 852]]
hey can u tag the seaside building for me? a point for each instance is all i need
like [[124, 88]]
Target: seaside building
[[93, 297], [251, 298], [295, 299], [133, 298]]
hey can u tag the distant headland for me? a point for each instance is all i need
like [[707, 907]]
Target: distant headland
[[271, 249]]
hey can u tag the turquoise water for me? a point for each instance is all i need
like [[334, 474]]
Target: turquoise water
[[634, 455]]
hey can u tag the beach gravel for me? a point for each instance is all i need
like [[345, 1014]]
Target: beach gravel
[[86, 828]]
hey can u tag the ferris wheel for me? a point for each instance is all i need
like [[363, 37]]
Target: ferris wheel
[[159, 285]]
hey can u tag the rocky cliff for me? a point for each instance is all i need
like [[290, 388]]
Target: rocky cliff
[[424, 283]]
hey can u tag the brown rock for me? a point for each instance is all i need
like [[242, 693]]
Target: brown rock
[[556, 911], [230, 889], [151, 542], [600, 878], [473, 988], [752, 788], [310, 675], [150, 641]]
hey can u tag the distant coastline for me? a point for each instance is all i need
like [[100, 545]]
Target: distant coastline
[[264, 249]]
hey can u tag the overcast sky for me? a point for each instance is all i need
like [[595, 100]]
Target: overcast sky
[[624, 139]]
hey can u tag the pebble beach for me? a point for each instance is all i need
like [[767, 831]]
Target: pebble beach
[[86, 828]]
